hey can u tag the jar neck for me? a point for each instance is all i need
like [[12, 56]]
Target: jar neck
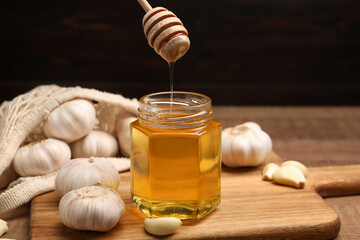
[[183, 110]]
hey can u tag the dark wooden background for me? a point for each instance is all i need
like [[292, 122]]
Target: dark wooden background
[[260, 52]]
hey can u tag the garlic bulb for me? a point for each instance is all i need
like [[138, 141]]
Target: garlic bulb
[[123, 132], [94, 208], [97, 144], [71, 120], [245, 145], [81, 172], [41, 157]]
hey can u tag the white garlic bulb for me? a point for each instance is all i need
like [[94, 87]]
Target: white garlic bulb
[[94, 208], [97, 144], [245, 145], [123, 132], [81, 172], [71, 120], [41, 157]]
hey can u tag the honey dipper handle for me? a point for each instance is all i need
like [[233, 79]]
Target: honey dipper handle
[[145, 5]]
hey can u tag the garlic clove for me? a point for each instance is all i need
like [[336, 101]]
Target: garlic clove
[[162, 226], [121, 164], [41, 157], [290, 176], [269, 170], [123, 132], [94, 208], [296, 164], [81, 172], [71, 120], [97, 144], [3, 227]]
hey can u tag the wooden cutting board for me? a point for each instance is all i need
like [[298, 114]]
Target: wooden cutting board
[[250, 209]]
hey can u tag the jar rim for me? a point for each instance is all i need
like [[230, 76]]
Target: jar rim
[[201, 101], [184, 109]]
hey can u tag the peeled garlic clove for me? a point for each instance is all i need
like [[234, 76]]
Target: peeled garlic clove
[[71, 120], [289, 176], [94, 208], [81, 172], [123, 132], [296, 164], [162, 226], [42, 157], [3, 227], [97, 144], [269, 170]]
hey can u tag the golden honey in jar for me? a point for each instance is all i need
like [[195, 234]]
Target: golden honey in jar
[[175, 156]]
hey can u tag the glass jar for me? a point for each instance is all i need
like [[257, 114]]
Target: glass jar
[[175, 156]]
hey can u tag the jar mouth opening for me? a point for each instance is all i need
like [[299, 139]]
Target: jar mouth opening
[[184, 109], [179, 100]]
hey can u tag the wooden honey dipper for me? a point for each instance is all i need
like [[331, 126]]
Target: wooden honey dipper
[[164, 32]]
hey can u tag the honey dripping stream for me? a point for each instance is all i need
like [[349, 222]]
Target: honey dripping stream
[[171, 69]]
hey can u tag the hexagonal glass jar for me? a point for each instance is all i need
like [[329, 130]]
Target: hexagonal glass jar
[[175, 156]]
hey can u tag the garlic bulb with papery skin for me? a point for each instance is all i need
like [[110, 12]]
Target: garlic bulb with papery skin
[[82, 172], [123, 132], [41, 157], [245, 145], [97, 144], [94, 208], [71, 120]]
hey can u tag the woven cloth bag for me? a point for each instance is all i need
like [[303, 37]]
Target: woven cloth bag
[[21, 122]]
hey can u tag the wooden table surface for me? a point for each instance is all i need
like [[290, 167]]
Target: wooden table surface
[[316, 136]]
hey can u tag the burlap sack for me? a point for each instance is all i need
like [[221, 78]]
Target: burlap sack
[[21, 122]]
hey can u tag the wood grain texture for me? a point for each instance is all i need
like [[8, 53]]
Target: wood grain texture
[[250, 209], [348, 209]]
